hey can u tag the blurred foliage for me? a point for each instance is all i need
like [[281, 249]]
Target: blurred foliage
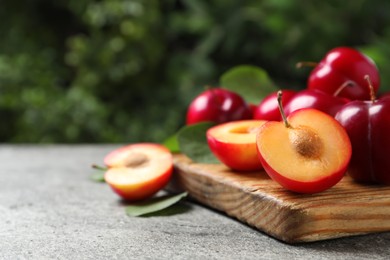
[[125, 70]]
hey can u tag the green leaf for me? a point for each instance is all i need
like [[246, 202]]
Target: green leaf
[[172, 144], [252, 83], [193, 143], [153, 205], [98, 176]]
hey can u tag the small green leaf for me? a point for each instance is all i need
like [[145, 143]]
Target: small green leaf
[[153, 205], [172, 144], [252, 83], [98, 176], [193, 143]]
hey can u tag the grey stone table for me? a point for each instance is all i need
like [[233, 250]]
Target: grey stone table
[[50, 209]]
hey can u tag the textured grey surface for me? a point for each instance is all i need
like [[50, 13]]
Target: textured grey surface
[[49, 209]]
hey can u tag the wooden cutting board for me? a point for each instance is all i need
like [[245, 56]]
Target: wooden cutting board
[[344, 210]]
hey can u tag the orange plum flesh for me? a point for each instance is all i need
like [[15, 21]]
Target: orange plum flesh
[[138, 171], [234, 144], [310, 156]]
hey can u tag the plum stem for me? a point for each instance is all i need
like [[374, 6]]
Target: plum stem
[[281, 110], [348, 83], [100, 168], [372, 91], [305, 64]]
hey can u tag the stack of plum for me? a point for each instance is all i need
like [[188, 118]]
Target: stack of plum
[[305, 140]]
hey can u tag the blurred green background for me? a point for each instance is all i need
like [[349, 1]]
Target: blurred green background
[[125, 70]]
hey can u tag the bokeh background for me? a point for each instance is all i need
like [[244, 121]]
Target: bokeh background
[[120, 71]]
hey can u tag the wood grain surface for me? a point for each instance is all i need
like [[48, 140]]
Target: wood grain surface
[[344, 210]]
